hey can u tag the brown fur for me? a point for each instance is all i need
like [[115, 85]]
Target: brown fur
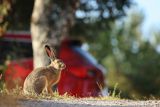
[[42, 79]]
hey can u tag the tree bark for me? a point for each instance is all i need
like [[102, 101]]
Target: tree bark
[[50, 26], [39, 32]]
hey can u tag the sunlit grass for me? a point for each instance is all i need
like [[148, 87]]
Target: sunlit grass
[[18, 93]]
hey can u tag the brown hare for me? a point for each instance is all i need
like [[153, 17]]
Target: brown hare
[[42, 79]]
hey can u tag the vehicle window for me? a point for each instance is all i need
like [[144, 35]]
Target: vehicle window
[[85, 54], [15, 50]]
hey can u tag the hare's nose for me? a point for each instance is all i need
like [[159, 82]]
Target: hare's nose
[[63, 66]]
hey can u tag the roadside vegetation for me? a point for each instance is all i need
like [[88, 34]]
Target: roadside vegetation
[[130, 57], [18, 93]]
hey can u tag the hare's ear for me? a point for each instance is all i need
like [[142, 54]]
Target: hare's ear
[[50, 52]]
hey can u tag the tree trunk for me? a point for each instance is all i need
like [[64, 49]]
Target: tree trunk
[[50, 23], [39, 32]]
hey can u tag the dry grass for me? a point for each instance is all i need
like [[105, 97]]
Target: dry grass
[[18, 93], [9, 98]]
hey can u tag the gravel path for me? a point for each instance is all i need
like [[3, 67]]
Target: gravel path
[[89, 103], [10, 101]]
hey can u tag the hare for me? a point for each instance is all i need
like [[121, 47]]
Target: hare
[[42, 79]]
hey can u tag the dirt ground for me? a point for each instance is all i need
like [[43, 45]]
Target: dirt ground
[[90, 103], [9, 101]]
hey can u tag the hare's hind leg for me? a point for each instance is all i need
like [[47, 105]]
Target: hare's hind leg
[[40, 85], [49, 88]]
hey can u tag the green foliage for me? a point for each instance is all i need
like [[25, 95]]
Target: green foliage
[[2, 69], [96, 16], [106, 10], [114, 90], [4, 10], [20, 15], [131, 61]]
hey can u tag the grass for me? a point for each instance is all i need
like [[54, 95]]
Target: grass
[[17, 93], [11, 98]]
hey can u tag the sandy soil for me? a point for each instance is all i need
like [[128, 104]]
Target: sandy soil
[[9, 101], [90, 103]]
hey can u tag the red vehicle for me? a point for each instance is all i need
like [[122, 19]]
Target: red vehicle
[[83, 76]]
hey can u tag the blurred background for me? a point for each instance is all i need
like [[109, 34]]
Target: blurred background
[[123, 36]]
